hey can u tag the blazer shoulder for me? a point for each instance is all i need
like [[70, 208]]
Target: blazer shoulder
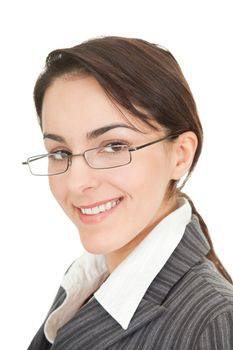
[[211, 293], [202, 298], [205, 293], [213, 280], [218, 333], [202, 283]]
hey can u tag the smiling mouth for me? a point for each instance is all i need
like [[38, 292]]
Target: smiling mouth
[[104, 207]]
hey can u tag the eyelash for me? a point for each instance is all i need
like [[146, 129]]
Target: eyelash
[[61, 151], [115, 142]]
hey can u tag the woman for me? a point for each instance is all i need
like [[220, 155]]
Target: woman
[[121, 129]]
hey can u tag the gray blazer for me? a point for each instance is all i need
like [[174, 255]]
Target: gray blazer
[[188, 306]]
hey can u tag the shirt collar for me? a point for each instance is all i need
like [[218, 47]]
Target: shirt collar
[[120, 292]]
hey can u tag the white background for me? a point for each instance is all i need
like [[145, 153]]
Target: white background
[[38, 242]]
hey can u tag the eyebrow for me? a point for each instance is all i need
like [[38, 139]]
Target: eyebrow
[[92, 134]]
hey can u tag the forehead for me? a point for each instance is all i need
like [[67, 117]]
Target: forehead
[[79, 103]]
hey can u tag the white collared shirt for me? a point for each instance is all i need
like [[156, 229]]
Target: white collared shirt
[[89, 274]]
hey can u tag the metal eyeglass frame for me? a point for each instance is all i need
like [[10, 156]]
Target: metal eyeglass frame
[[69, 157]]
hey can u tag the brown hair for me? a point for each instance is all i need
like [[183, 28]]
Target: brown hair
[[142, 77]]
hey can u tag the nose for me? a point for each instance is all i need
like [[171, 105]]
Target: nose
[[81, 177]]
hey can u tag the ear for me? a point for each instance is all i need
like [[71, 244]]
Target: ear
[[184, 151]]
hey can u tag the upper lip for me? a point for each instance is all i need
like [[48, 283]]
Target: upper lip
[[99, 203]]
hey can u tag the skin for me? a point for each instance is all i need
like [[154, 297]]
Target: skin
[[72, 108]]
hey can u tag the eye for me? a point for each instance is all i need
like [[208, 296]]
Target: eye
[[60, 155], [115, 147]]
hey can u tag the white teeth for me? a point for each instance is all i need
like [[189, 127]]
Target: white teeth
[[100, 209], [108, 205], [95, 210], [88, 211]]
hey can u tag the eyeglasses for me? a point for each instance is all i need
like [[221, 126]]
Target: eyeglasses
[[110, 156]]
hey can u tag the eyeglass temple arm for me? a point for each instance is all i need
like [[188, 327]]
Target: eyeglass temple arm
[[151, 143]]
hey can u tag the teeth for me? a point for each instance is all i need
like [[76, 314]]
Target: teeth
[[88, 211], [100, 209], [108, 205], [95, 210]]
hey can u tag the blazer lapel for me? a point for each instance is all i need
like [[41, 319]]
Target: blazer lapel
[[191, 249], [93, 328]]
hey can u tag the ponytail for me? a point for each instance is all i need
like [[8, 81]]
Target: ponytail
[[211, 254]]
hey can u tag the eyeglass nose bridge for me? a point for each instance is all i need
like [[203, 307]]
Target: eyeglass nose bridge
[[83, 155]]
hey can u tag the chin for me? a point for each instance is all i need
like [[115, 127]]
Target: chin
[[94, 248]]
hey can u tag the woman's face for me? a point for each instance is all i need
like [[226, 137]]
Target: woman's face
[[72, 110]]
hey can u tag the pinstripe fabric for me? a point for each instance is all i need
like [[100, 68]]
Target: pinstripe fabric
[[216, 334], [188, 306]]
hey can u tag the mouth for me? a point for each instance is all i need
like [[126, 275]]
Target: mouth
[[98, 211]]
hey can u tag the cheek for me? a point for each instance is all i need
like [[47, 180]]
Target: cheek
[[144, 176], [57, 188], [149, 185], [144, 186]]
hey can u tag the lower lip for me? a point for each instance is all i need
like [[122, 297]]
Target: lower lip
[[96, 218]]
